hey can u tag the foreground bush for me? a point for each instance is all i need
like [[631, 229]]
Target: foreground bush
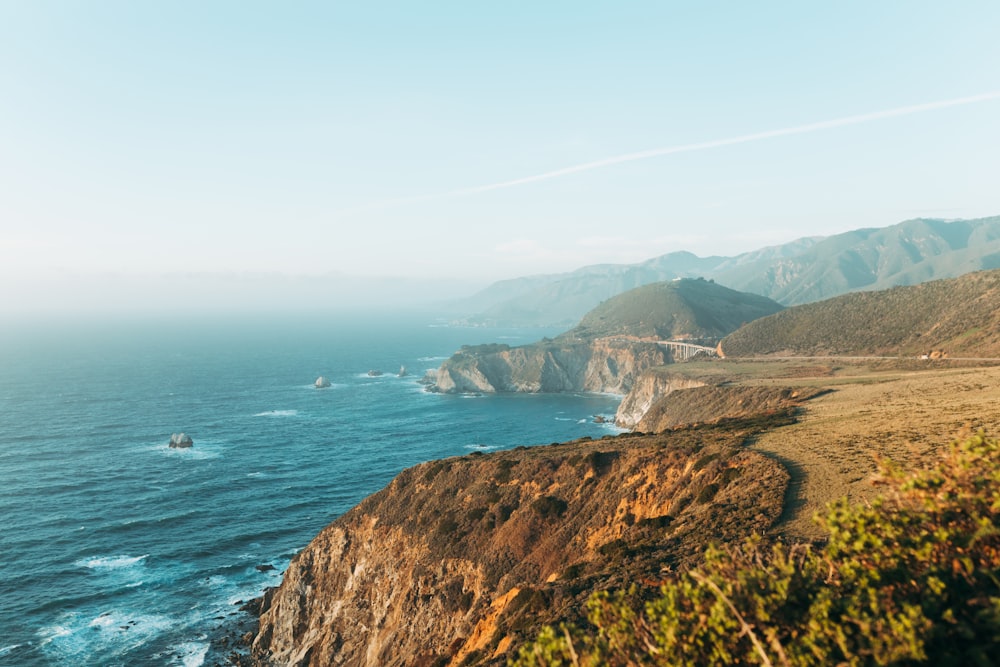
[[913, 577]]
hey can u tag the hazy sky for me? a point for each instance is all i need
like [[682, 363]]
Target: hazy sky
[[378, 138]]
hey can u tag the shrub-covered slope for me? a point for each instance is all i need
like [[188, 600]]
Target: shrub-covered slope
[[678, 309], [911, 578], [959, 316]]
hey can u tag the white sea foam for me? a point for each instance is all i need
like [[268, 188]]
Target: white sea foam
[[191, 654], [432, 358], [52, 633], [202, 449], [480, 448], [581, 421], [77, 637], [277, 413], [7, 649], [110, 562]]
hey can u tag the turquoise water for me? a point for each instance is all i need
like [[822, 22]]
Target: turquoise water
[[118, 550]]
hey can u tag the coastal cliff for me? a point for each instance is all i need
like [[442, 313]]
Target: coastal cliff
[[652, 385], [612, 344], [460, 561], [602, 365]]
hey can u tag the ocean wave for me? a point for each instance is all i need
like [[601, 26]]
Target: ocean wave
[[480, 448], [77, 637], [431, 358], [277, 413], [110, 562], [191, 654]]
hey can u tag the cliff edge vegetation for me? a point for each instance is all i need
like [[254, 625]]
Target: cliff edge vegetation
[[911, 578]]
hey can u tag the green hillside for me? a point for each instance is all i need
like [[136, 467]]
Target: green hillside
[[960, 316], [678, 309]]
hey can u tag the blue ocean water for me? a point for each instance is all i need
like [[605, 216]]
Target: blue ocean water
[[117, 550]]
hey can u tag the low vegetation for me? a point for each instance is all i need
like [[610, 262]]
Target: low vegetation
[[690, 308], [910, 578], [957, 317]]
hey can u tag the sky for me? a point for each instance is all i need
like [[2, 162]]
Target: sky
[[457, 143]]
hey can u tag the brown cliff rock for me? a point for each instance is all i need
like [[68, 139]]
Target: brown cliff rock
[[714, 403], [648, 388], [460, 561]]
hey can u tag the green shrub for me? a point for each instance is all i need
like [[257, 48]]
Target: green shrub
[[912, 578]]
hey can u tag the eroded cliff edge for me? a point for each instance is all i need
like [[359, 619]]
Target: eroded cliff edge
[[603, 365], [651, 386], [459, 561]]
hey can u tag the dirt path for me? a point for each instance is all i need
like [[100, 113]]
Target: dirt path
[[906, 416]]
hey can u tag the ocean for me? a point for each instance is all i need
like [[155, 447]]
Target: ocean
[[118, 550]]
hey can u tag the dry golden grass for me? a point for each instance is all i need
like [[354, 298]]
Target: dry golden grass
[[905, 413]]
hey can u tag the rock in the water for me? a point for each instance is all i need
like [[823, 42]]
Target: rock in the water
[[322, 382], [181, 441]]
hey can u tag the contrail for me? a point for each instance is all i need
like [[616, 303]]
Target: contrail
[[705, 145]]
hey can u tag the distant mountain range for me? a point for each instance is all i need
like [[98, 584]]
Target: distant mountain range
[[803, 271]]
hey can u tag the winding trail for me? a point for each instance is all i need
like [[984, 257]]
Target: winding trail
[[903, 415]]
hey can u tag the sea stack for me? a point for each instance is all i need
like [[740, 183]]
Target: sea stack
[[181, 441], [322, 382]]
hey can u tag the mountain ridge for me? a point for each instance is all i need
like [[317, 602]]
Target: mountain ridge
[[801, 271]]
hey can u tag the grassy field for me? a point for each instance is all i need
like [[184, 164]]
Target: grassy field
[[904, 411]]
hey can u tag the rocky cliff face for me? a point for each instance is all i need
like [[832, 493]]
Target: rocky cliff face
[[714, 403], [652, 385], [603, 365], [460, 561]]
